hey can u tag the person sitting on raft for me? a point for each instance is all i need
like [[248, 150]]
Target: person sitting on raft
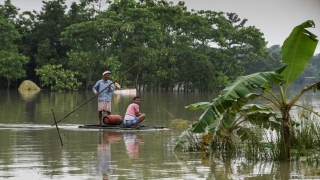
[[133, 116]]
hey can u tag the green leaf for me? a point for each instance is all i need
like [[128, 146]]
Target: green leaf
[[260, 115], [297, 50], [202, 105], [235, 95]]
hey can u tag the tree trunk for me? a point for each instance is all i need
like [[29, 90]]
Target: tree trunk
[[286, 133], [9, 82], [88, 80]]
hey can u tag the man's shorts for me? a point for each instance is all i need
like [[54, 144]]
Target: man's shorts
[[129, 123], [104, 106]]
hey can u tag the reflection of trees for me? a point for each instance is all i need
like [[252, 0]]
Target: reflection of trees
[[64, 103], [173, 102], [118, 96], [283, 172], [24, 106], [221, 166], [240, 168], [120, 103]]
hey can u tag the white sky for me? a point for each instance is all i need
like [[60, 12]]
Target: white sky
[[274, 18]]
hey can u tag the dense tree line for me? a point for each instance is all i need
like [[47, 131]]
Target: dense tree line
[[63, 48]]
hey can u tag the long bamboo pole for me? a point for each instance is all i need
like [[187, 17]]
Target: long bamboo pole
[[55, 122], [95, 95]]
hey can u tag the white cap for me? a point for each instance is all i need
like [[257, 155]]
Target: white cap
[[106, 72]]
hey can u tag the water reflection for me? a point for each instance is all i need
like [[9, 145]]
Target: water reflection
[[32, 150], [132, 142], [105, 140], [29, 96]]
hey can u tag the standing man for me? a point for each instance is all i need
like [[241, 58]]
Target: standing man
[[133, 116], [104, 98]]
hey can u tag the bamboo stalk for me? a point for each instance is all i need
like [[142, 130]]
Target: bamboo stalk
[[55, 122]]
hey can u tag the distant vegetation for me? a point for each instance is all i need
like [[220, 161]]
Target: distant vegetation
[[62, 48]]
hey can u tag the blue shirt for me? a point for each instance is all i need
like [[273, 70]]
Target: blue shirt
[[105, 95]]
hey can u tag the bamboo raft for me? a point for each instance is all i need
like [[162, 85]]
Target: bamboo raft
[[121, 127], [115, 122]]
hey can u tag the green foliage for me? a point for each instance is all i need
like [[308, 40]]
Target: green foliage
[[297, 50], [235, 96], [8, 11], [243, 123], [11, 61], [57, 78], [11, 65], [172, 45], [188, 141], [46, 28], [257, 137], [305, 136], [194, 50], [263, 64], [8, 34]]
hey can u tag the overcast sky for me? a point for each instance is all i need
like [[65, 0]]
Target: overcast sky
[[275, 18]]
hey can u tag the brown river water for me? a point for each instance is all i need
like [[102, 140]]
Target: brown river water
[[30, 146]]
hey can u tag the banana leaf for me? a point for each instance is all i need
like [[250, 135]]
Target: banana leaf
[[261, 116], [257, 115], [245, 133], [297, 51], [235, 95]]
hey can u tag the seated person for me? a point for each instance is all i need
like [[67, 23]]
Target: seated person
[[133, 116]]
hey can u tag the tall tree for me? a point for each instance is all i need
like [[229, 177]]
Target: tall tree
[[50, 22], [11, 61], [9, 11], [27, 44], [88, 42], [264, 63]]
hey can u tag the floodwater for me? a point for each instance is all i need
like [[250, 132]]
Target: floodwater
[[31, 148]]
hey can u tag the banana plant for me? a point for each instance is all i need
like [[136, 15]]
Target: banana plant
[[297, 50], [256, 115]]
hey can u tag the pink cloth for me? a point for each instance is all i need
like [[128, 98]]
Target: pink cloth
[[104, 106], [132, 109]]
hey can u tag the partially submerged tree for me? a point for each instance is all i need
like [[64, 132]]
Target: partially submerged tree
[[296, 51]]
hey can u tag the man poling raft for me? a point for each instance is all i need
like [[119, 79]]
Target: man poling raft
[[104, 98], [94, 95]]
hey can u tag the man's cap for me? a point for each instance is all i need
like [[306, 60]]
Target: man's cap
[[106, 72]]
